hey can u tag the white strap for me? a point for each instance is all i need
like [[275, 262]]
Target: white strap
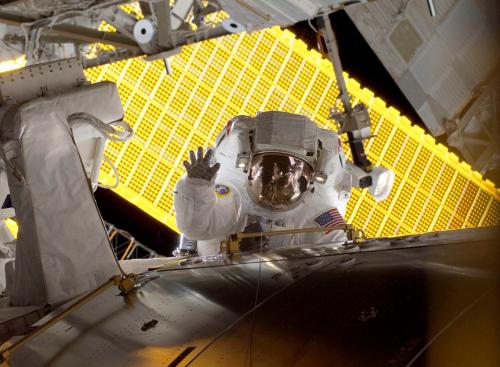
[[108, 131], [115, 172]]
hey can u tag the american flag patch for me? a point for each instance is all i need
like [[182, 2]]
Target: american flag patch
[[330, 218]]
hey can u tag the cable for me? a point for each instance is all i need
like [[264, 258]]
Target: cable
[[312, 27], [252, 327], [446, 327], [31, 43], [59, 7], [7, 45], [71, 13]]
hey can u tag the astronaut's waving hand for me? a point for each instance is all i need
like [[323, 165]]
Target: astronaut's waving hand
[[199, 167]]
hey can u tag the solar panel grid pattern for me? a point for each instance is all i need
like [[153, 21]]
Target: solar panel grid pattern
[[271, 70]]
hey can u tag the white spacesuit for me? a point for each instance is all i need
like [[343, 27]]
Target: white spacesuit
[[277, 171]]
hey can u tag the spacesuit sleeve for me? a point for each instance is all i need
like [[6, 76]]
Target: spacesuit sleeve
[[199, 213]]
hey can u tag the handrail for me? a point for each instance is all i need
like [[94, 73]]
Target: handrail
[[232, 245], [125, 284]]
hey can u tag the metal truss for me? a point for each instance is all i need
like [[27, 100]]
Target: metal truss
[[125, 246]]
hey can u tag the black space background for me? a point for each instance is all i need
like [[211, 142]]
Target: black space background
[[358, 60]]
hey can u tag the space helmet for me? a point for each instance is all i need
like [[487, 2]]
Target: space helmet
[[281, 154], [278, 181]]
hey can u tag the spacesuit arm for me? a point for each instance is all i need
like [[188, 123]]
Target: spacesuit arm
[[200, 214]]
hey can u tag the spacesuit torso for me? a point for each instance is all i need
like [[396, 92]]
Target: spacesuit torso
[[209, 211]]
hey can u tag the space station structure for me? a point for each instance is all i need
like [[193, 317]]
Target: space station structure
[[54, 128], [446, 65], [340, 300]]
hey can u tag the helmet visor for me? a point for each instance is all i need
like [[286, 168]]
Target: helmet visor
[[278, 181]]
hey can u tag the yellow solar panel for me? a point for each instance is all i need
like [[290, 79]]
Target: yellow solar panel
[[271, 70]]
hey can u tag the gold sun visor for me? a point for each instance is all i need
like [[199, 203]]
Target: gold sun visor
[[278, 181]]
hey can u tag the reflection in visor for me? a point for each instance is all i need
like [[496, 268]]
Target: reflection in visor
[[278, 181]]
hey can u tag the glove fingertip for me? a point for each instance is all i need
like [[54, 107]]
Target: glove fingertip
[[208, 155], [199, 153]]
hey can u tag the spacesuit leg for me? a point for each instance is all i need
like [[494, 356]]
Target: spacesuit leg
[[186, 247], [209, 247]]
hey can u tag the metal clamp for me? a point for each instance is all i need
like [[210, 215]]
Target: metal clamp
[[125, 283], [357, 120]]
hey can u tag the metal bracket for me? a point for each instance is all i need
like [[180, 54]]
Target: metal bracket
[[354, 234], [125, 283], [165, 55], [357, 120]]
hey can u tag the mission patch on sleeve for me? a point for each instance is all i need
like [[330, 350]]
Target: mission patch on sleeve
[[222, 190]]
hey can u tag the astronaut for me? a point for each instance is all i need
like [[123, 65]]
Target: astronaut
[[270, 172]]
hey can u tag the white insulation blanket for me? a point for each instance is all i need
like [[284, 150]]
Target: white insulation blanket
[[62, 247]]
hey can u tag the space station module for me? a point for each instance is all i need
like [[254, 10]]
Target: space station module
[[278, 171]]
